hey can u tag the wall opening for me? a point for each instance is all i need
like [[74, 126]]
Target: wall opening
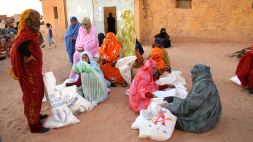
[[55, 10], [184, 4], [110, 19]]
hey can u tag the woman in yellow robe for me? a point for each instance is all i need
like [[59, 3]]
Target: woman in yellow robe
[[126, 35]]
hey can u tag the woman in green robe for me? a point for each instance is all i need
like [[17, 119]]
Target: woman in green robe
[[201, 110]]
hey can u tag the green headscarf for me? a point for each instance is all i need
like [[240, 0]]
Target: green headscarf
[[127, 35]]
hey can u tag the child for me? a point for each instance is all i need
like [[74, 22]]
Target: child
[[50, 35]]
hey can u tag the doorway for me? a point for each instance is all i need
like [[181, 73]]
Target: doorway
[[111, 10]]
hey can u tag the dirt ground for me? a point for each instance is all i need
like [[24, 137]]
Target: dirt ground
[[110, 121]]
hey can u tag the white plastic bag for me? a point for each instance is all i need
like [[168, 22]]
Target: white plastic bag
[[124, 66], [175, 78], [75, 102], [61, 114], [158, 128], [236, 80], [179, 91]]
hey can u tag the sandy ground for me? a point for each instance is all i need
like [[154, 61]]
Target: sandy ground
[[111, 120]]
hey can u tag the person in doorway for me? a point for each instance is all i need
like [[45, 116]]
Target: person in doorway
[[111, 23], [244, 70], [26, 66], [50, 35], [70, 37], [201, 109]]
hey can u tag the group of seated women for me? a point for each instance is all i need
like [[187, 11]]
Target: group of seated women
[[94, 66]]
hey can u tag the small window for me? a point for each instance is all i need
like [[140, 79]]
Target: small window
[[185, 4], [55, 12]]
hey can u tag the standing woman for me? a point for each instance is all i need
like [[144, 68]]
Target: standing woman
[[127, 35], [26, 61], [70, 37], [87, 40]]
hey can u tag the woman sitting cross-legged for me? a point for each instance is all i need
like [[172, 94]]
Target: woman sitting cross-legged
[[109, 53], [91, 79], [143, 85], [201, 109]]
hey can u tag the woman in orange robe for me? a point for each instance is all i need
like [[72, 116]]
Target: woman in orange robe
[[109, 53]]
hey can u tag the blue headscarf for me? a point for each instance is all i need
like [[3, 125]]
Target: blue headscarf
[[72, 31]]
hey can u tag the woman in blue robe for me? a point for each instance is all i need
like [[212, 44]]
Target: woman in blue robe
[[70, 37]]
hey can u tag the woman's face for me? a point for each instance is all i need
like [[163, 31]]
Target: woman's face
[[86, 58], [73, 22]]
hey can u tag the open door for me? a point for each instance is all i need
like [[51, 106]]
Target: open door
[[108, 22]]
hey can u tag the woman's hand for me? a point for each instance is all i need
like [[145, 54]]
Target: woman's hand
[[28, 59], [80, 49], [113, 63]]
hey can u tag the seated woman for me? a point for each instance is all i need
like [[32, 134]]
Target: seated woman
[[157, 54], [109, 53], [166, 59], [143, 85], [138, 53], [87, 40], [164, 37], [90, 78], [244, 70], [201, 109]]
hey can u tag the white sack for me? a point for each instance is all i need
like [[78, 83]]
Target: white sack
[[61, 114], [75, 102], [124, 66], [174, 78]]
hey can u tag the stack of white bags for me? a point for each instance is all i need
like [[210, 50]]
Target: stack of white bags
[[64, 101], [157, 122]]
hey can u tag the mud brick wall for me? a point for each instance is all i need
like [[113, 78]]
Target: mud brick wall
[[223, 20]]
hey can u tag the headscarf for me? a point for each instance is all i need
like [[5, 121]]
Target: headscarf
[[110, 49], [127, 35], [28, 20], [101, 37], [142, 84], [88, 40], [72, 31], [86, 23], [93, 63], [157, 55], [200, 71], [28, 30]]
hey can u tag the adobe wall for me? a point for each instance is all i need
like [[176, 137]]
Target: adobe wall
[[223, 20], [59, 25]]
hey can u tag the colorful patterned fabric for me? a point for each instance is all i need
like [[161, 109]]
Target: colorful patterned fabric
[[29, 74], [126, 35], [141, 87]]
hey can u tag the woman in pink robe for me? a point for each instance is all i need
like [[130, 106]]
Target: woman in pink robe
[[86, 41], [142, 86]]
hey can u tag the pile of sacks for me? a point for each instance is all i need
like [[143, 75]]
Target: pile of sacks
[[64, 101], [156, 122]]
